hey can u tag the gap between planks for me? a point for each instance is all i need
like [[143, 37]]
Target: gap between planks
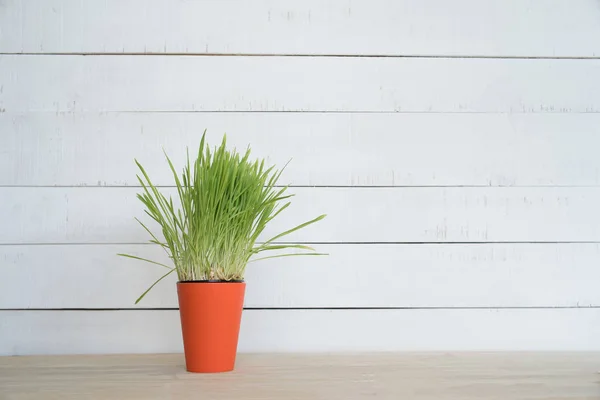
[[312, 242], [307, 55], [317, 186], [315, 308]]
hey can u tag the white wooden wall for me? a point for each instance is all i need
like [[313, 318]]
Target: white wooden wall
[[454, 145]]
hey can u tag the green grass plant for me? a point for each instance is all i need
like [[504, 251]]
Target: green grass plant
[[225, 202]]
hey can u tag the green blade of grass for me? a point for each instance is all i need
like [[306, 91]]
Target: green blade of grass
[[154, 284], [289, 255], [144, 259]]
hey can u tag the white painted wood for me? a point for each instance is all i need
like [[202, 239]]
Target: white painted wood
[[181, 83], [350, 121], [548, 28], [106, 215], [395, 149], [493, 275], [143, 331]]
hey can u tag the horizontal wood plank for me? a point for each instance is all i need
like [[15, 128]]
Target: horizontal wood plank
[[106, 215], [419, 376], [158, 331], [493, 275], [181, 83], [540, 28], [330, 149]]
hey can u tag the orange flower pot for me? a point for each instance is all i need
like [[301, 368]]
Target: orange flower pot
[[211, 313]]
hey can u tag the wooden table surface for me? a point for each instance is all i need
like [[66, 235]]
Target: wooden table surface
[[294, 376]]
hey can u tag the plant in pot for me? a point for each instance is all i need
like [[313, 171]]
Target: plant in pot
[[210, 234]]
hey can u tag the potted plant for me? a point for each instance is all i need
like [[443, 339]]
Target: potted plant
[[225, 202]]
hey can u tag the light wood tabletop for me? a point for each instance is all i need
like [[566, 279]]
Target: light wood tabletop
[[299, 376]]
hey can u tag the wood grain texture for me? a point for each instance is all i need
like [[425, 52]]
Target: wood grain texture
[[540, 28], [158, 331], [106, 215], [395, 149], [490, 275], [439, 376], [182, 83]]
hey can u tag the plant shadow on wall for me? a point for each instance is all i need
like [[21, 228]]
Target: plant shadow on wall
[[226, 201]]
